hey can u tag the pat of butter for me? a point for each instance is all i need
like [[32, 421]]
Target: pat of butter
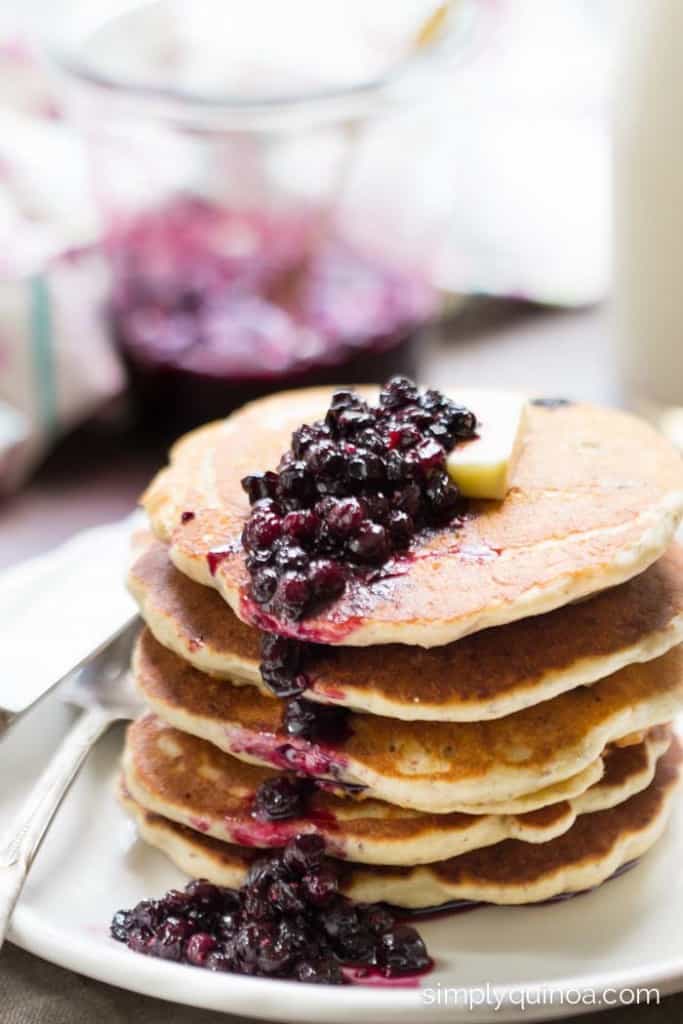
[[483, 468]]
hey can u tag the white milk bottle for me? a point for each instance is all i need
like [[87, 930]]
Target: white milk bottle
[[648, 208]]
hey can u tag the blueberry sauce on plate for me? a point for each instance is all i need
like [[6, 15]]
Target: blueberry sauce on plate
[[287, 921]]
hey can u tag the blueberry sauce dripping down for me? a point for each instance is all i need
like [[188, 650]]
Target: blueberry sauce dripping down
[[350, 494], [287, 921]]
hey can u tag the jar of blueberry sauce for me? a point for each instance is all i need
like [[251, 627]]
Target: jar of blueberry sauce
[[226, 143]]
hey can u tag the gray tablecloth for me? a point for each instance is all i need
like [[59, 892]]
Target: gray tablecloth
[[35, 992]]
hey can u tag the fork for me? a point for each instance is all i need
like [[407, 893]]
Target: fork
[[104, 691]]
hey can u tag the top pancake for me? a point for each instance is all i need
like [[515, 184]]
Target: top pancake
[[487, 675], [596, 498]]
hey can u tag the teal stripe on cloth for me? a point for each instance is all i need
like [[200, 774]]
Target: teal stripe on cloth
[[43, 353]]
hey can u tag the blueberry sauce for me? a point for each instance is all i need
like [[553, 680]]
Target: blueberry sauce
[[287, 921], [348, 497], [352, 491], [213, 306]]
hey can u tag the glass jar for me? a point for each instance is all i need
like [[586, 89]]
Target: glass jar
[[223, 137]]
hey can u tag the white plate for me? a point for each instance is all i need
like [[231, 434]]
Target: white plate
[[626, 935]]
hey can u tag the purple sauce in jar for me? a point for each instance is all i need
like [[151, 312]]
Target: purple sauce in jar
[[213, 306]]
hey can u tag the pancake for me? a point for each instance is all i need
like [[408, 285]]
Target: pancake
[[511, 872], [596, 497], [486, 675], [430, 766], [189, 781]]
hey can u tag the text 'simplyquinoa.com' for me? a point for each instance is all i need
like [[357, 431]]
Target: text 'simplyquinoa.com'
[[490, 997]]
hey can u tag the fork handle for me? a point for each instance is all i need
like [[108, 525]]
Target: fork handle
[[22, 840]]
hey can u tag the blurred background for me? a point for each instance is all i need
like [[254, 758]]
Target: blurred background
[[202, 202]]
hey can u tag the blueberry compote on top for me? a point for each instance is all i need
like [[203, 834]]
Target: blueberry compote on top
[[352, 491], [287, 921]]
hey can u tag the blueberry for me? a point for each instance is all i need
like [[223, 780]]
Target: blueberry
[[261, 530], [249, 939], [429, 456], [395, 467], [343, 401], [264, 871], [328, 579], [120, 926], [402, 951], [260, 485], [300, 718], [358, 946], [256, 905], [146, 914], [372, 440], [305, 436], [140, 940], [459, 420], [378, 507], [325, 459], [397, 393], [304, 853], [321, 885], [280, 798], [345, 516], [204, 893], [408, 499], [301, 526], [169, 942], [198, 948], [352, 422], [365, 467], [294, 935], [273, 957], [401, 528], [433, 401], [443, 498], [293, 594], [220, 960], [296, 481], [378, 919], [291, 556], [370, 545], [285, 897], [442, 433], [340, 919], [176, 903], [263, 584]]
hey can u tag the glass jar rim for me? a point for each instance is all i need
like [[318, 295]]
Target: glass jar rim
[[408, 80]]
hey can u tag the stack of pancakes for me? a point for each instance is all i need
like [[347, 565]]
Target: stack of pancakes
[[511, 686]]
